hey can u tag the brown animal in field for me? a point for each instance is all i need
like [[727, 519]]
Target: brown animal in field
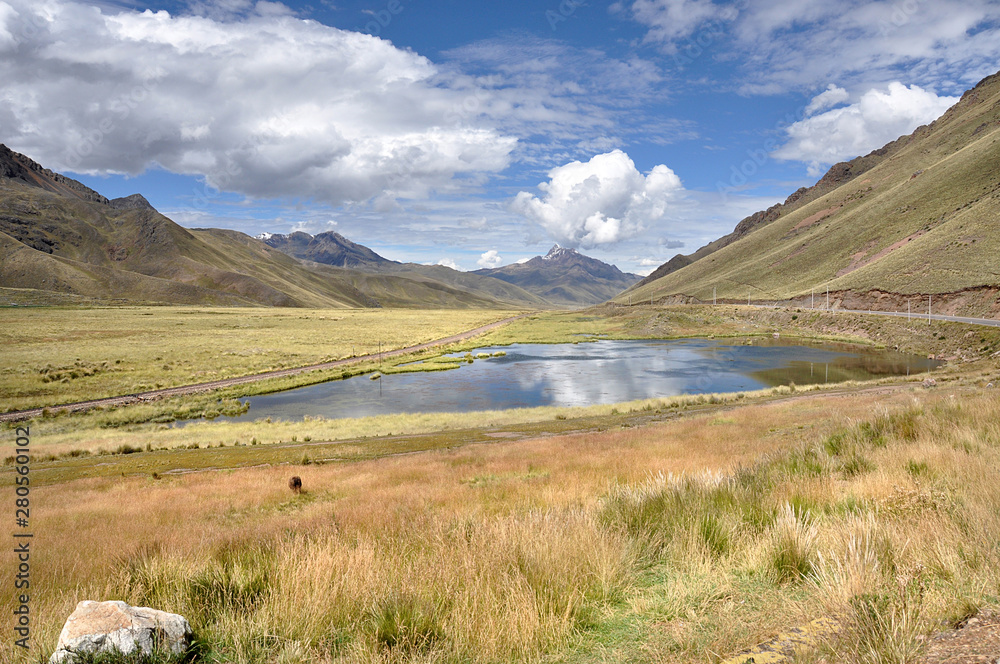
[[295, 484]]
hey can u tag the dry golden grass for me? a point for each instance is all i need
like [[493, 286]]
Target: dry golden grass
[[569, 548], [56, 355], [105, 431]]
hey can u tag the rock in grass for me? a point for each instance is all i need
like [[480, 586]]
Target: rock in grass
[[116, 627]]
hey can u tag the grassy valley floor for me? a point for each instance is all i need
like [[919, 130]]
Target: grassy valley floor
[[674, 530], [54, 355]]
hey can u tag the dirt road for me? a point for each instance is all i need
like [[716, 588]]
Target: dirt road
[[153, 395]]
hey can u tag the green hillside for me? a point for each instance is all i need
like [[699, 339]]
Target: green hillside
[[925, 219], [54, 242], [59, 239]]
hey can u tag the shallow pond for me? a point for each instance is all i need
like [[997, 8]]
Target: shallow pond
[[581, 374]]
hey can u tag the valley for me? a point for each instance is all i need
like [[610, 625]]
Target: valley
[[610, 527], [728, 502]]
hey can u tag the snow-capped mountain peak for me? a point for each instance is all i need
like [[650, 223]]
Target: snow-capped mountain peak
[[556, 251]]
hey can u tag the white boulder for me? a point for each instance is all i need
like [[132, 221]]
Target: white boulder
[[97, 627]]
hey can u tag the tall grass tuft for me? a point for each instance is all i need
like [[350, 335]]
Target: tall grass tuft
[[866, 555], [793, 553], [885, 627], [406, 623], [671, 516]]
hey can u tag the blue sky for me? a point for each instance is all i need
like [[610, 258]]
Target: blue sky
[[477, 133]]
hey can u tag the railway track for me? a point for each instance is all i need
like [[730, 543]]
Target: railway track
[[181, 390]]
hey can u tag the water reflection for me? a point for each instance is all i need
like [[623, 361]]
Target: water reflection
[[582, 374]]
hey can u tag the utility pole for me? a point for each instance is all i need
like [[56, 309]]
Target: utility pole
[[812, 298], [928, 309], [714, 302], [907, 310], [827, 298]]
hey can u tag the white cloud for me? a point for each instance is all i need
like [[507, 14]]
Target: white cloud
[[797, 45], [7, 16], [262, 104], [831, 97], [570, 101], [522, 261], [877, 118], [447, 262], [479, 224], [313, 226], [647, 266], [670, 20], [490, 259], [602, 201]]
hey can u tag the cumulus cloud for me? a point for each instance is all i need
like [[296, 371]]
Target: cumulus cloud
[[602, 201], [490, 259], [447, 262], [878, 117], [832, 96], [263, 103]]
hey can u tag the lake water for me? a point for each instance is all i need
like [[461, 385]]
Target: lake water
[[582, 374]]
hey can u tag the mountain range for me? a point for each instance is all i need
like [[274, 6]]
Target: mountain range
[[62, 241], [918, 218], [329, 248], [565, 277]]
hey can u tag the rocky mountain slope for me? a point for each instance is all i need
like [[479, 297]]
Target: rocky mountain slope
[[918, 217], [838, 175], [58, 236], [328, 248], [566, 277]]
